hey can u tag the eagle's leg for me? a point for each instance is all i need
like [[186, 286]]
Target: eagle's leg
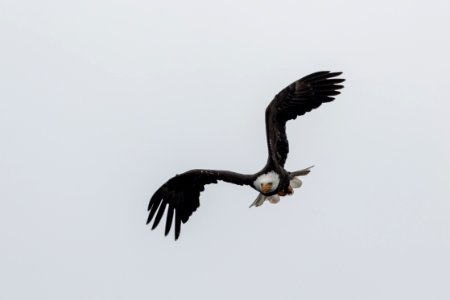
[[289, 191]]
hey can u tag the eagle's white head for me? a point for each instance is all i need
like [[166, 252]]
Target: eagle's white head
[[267, 183]]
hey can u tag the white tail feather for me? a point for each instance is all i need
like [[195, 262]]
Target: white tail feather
[[295, 183], [274, 199]]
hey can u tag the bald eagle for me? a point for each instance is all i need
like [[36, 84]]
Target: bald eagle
[[180, 194]]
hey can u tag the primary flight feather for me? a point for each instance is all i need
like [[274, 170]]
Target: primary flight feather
[[180, 195]]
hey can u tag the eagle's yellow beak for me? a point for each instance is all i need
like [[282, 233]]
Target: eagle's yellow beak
[[265, 187]]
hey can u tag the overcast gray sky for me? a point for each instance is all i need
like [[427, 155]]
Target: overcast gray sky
[[102, 101]]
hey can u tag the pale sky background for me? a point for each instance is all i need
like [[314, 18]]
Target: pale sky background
[[102, 101]]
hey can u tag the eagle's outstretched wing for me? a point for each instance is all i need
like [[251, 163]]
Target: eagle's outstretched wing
[[181, 194], [295, 100]]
